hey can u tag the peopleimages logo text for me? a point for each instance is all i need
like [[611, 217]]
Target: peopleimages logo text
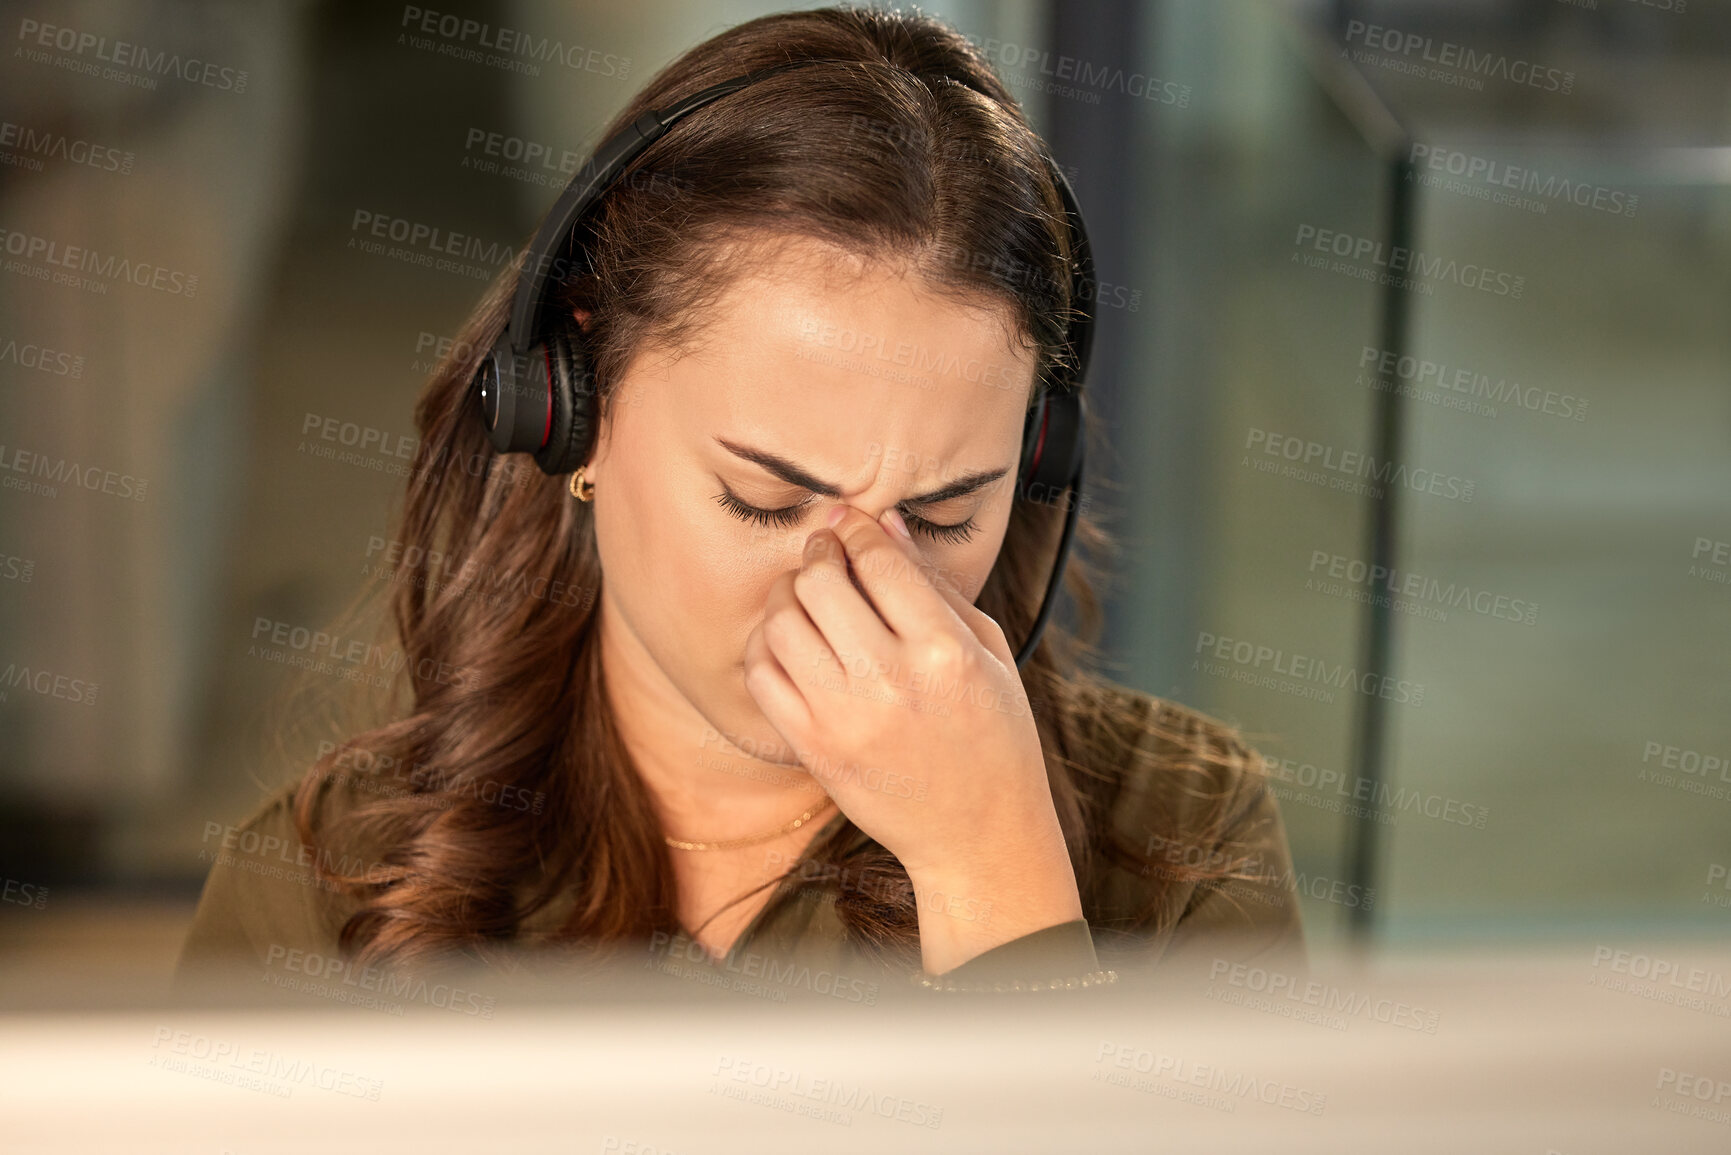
[[1084, 74], [1400, 259], [1485, 170], [1355, 465], [58, 471], [37, 143], [1305, 668], [1446, 54], [1456, 379], [107, 267], [464, 31], [128, 55]]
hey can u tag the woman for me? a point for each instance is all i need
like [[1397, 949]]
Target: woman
[[776, 701]]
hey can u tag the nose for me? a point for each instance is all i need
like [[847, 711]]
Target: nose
[[872, 509]]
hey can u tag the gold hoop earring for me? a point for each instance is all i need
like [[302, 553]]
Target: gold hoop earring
[[581, 487]]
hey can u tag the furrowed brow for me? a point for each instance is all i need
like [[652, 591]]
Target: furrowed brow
[[793, 474]]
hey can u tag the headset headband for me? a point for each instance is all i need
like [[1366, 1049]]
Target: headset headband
[[559, 228]]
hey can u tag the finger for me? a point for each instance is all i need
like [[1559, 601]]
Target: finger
[[850, 621], [796, 641], [775, 693], [984, 626], [948, 583], [891, 571]]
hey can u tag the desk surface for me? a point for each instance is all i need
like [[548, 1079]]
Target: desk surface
[[1589, 1048]]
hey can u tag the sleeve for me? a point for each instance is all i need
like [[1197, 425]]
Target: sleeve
[[261, 901], [1254, 918], [1056, 953]]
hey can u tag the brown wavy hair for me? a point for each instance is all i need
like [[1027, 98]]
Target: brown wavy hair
[[500, 689]]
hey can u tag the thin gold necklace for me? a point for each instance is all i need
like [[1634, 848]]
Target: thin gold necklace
[[733, 843]]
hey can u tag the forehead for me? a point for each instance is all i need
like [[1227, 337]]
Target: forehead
[[840, 360]]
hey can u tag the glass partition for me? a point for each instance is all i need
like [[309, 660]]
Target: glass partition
[[1426, 469]]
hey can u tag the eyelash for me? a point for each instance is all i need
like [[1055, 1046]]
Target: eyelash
[[790, 514]]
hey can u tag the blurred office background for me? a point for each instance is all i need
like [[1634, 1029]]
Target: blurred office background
[[1533, 745]]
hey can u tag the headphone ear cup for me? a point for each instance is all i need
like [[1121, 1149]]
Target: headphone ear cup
[[573, 432], [1051, 446]]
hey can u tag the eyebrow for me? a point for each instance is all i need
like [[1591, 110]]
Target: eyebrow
[[792, 474]]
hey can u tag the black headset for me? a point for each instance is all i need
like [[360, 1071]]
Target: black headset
[[536, 387]]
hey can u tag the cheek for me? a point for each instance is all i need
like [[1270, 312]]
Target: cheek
[[963, 565], [970, 564], [715, 570], [745, 559], [653, 545]]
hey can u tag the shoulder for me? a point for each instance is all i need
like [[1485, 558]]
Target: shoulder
[[263, 897], [1159, 759], [1186, 836]]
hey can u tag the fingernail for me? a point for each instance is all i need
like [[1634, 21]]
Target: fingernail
[[893, 519], [836, 514]]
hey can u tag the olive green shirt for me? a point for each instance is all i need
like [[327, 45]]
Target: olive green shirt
[[264, 912]]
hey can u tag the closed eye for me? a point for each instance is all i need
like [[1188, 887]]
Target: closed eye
[[789, 515], [957, 533], [783, 517]]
